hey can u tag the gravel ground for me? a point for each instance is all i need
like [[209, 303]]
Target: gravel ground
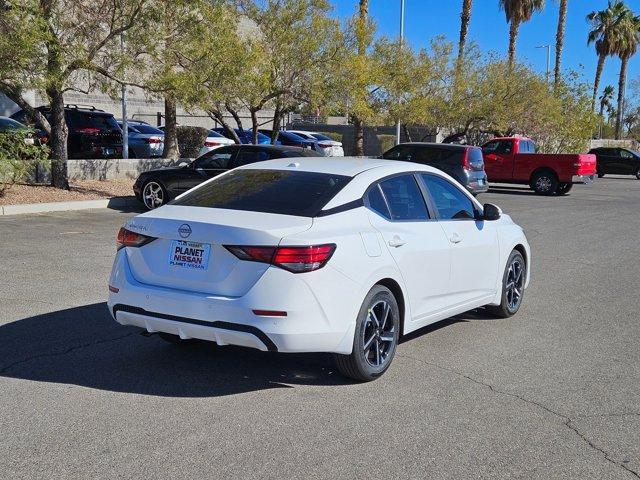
[[82, 190]]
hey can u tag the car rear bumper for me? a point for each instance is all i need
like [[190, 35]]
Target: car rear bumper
[[583, 178], [308, 326]]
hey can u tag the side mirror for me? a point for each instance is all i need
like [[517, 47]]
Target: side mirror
[[491, 212]]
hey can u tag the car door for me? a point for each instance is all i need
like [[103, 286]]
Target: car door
[[626, 162], [498, 159], [209, 165], [474, 243], [606, 160], [417, 243]]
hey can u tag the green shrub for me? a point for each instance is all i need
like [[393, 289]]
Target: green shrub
[[386, 142], [19, 157], [191, 140]]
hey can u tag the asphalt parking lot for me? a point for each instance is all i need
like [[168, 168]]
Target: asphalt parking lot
[[551, 393]]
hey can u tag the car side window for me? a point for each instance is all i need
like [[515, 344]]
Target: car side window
[[377, 202], [532, 147], [404, 198], [401, 152], [504, 146], [215, 159], [490, 147], [249, 155], [450, 202], [625, 154]]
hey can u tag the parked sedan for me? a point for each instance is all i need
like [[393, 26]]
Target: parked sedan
[[214, 140], [299, 255], [156, 187], [463, 162], [621, 161], [145, 141], [326, 145]]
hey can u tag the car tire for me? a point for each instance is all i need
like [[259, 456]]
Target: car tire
[[638, 174], [154, 194], [375, 339], [175, 339], [514, 277], [544, 183], [564, 188], [600, 174]]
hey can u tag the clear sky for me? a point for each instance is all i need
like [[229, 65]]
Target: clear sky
[[425, 19]]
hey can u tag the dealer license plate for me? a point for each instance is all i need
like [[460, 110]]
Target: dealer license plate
[[189, 254]]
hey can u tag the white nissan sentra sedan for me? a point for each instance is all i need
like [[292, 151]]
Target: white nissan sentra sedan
[[305, 255]]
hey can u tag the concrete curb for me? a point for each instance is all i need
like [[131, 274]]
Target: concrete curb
[[116, 202]]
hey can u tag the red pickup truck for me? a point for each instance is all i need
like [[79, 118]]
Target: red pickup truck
[[514, 160]]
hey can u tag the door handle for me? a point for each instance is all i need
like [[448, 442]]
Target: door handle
[[455, 237], [396, 241]]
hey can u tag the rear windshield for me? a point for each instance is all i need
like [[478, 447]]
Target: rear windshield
[[301, 194], [147, 129], [475, 157], [320, 136], [10, 124], [93, 120]]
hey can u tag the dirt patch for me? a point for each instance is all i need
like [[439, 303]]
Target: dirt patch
[[80, 190]]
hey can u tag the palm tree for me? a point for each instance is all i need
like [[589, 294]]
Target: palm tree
[[465, 17], [606, 100], [604, 30], [361, 25], [562, 21], [518, 12], [626, 47]]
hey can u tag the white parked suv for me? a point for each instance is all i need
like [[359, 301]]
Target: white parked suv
[[300, 255]]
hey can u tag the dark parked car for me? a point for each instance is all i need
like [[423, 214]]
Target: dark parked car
[[291, 139], [463, 162], [93, 133], [621, 161], [156, 187]]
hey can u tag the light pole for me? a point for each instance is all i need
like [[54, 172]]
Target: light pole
[[125, 125], [548, 47], [401, 41]]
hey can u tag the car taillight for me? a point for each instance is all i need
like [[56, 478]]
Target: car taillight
[[293, 259], [212, 144], [127, 238], [466, 164], [153, 140], [88, 130], [325, 145]]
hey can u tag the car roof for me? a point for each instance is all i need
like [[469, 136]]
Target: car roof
[[348, 166]]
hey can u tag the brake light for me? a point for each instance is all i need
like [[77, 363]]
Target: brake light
[[325, 145], [153, 140], [127, 238], [293, 259], [466, 164], [88, 130], [212, 144]]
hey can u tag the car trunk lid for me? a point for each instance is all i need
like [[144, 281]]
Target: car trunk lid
[[189, 252]]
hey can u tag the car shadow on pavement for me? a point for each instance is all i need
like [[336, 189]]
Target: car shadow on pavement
[[84, 346]]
